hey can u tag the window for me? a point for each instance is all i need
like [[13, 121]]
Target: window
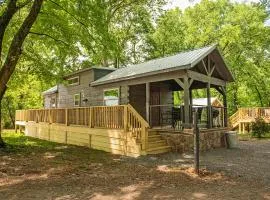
[[77, 99], [111, 97], [74, 81], [53, 102]]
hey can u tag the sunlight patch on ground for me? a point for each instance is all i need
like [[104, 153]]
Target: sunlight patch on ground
[[128, 193], [199, 195], [187, 170], [49, 155], [7, 181]]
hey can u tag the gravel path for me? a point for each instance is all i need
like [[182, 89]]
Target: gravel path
[[80, 173], [249, 162]]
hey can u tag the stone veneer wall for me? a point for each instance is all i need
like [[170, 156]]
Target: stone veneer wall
[[183, 142]]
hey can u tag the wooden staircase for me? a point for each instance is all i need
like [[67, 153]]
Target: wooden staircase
[[156, 144], [243, 117]]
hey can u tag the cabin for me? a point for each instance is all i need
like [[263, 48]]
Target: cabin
[[132, 110]]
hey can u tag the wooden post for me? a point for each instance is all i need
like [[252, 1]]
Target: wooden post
[[126, 118], [66, 114], [147, 103], [225, 107], [196, 143], [190, 103], [239, 127], [91, 117], [186, 102], [50, 116], [209, 107]]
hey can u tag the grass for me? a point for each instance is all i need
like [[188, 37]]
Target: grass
[[248, 136], [18, 143]]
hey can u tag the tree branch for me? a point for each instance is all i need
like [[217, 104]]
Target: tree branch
[[46, 35], [5, 19], [14, 51], [76, 19]]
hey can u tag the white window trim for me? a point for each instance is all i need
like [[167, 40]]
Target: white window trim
[[75, 77], [74, 97], [118, 92]]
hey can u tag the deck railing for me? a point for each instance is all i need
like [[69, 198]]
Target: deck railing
[[173, 117], [111, 117], [249, 115]]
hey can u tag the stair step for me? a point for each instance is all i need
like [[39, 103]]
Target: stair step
[[158, 143], [153, 138], [158, 150], [152, 132]]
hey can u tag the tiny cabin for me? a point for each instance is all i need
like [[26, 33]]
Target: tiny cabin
[[128, 110]]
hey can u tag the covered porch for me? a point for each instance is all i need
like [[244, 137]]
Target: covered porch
[[152, 86]]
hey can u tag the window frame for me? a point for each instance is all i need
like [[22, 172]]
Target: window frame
[[76, 83], [118, 95], [79, 100]]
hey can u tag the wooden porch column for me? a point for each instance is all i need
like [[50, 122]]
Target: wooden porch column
[[209, 107], [147, 103], [190, 103], [225, 107], [186, 101]]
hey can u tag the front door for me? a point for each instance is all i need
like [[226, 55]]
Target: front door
[[154, 106]]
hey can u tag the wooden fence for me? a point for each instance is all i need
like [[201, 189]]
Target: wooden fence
[[109, 117]]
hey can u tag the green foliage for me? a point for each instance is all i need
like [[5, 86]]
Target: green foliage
[[259, 128], [242, 38], [71, 35]]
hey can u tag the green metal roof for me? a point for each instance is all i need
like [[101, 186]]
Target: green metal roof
[[183, 60]]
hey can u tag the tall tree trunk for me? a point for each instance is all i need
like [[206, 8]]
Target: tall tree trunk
[[15, 50], [2, 143]]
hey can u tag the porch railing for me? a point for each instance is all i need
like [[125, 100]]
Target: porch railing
[[172, 116], [249, 115], [111, 117]]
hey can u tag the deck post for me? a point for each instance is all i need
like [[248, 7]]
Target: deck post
[[66, 114], [91, 117], [126, 118], [209, 107], [147, 103], [186, 102]]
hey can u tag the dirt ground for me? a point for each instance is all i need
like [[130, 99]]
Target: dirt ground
[[33, 169]]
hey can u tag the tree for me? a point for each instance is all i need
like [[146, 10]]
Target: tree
[[242, 37], [15, 48]]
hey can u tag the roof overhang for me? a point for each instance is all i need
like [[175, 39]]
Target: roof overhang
[[192, 62]]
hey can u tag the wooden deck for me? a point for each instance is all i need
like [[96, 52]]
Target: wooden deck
[[116, 129], [244, 117]]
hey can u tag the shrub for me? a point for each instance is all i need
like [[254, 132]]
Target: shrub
[[259, 127]]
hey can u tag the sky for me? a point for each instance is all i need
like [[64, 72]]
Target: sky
[[183, 4]]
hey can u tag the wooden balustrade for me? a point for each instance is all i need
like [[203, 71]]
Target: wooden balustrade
[[249, 115], [135, 123], [108, 116], [112, 117]]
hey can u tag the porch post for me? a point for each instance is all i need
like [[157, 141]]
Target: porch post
[[190, 103], [209, 107], [186, 101], [225, 107], [147, 103]]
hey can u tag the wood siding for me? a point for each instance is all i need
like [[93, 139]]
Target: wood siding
[[65, 94]]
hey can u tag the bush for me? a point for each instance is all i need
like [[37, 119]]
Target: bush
[[259, 127]]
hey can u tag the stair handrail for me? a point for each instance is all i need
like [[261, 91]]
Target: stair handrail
[[137, 125]]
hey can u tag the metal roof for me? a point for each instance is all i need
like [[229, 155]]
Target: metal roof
[[202, 101], [184, 60], [87, 69], [52, 90]]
